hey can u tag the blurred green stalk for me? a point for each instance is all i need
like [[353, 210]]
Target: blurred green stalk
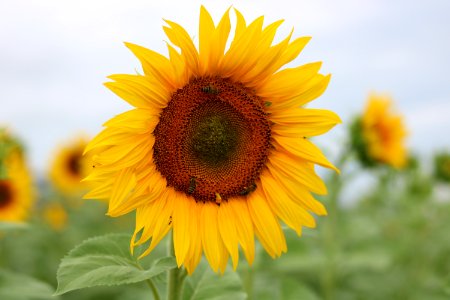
[[175, 276], [330, 231]]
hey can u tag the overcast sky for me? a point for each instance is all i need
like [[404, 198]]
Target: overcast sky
[[55, 55]]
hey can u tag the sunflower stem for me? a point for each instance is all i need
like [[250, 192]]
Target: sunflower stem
[[154, 289], [248, 283], [150, 284], [330, 229], [175, 276]]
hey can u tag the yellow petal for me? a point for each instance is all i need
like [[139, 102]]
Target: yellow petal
[[306, 117], [218, 42], [240, 56], [131, 204], [298, 193], [136, 121], [284, 207], [102, 191], [181, 228], [289, 82], [206, 31], [163, 221], [195, 245], [139, 91], [155, 65], [146, 217], [266, 225], [180, 38], [267, 64], [119, 157], [298, 170], [122, 188], [211, 241], [244, 227], [292, 51], [311, 90], [109, 137], [304, 149], [228, 231]]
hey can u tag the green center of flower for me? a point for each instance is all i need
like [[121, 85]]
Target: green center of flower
[[5, 193], [212, 139]]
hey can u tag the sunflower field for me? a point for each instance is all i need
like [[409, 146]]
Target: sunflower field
[[221, 173]]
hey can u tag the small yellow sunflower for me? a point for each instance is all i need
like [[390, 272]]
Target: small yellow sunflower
[[69, 167], [55, 215], [16, 193], [381, 133], [217, 146]]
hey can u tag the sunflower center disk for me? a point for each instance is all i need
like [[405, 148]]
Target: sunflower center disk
[[73, 164], [5, 193], [212, 139]]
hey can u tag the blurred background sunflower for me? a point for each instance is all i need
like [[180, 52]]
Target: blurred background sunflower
[[16, 190], [69, 167], [378, 135]]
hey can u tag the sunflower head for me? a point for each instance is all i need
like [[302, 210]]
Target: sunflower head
[[16, 193], [378, 135], [69, 167], [217, 146], [55, 215], [442, 166]]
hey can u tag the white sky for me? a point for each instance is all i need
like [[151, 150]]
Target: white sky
[[55, 55]]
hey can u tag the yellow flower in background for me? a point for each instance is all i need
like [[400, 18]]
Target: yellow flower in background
[[384, 132], [69, 167], [55, 215], [16, 192], [217, 145]]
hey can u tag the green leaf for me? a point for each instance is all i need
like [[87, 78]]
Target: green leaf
[[293, 290], [6, 226], [207, 285], [105, 260], [14, 286]]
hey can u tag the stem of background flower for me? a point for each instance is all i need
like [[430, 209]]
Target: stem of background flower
[[330, 230], [175, 276]]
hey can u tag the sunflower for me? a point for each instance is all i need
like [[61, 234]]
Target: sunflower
[[378, 136], [69, 167], [16, 193], [55, 215], [217, 146]]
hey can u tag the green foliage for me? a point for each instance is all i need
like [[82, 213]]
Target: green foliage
[[15, 286], [105, 260], [8, 144], [358, 143], [392, 243], [442, 166], [10, 226], [204, 284]]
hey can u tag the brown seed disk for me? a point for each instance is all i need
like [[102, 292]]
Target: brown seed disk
[[213, 137], [5, 193], [73, 163]]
